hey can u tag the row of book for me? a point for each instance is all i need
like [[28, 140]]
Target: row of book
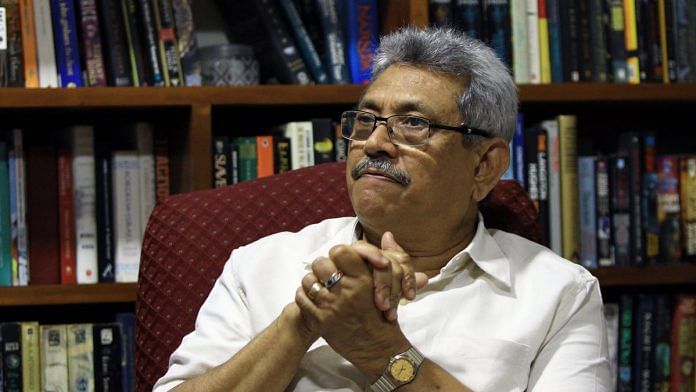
[[290, 146], [628, 207], [652, 342], [557, 41], [74, 211], [70, 43], [68, 357]]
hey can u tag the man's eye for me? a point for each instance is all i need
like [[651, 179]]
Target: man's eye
[[414, 122], [365, 119]]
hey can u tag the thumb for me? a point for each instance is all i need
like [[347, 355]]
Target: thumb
[[421, 280], [389, 243]]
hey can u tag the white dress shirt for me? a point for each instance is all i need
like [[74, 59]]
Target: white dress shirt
[[505, 314]]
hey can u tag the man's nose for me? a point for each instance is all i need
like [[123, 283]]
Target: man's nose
[[379, 143]]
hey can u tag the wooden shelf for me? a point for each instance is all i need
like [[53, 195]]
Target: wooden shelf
[[68, 294], [656, 275], [312, 95]]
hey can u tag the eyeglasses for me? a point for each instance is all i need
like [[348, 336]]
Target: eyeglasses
[[406, 130]]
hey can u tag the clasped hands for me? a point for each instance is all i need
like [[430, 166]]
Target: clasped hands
[[356, 312]]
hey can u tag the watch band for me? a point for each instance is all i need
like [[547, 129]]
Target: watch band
[[385, 383]]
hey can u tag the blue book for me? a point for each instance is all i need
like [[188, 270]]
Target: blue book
[[304, 43], [5, 228], [127, 323], [554, 21], [518, 150], [362, 36], [497, 16], [333, 38], [468, 16], [67, 49], [588, 216]]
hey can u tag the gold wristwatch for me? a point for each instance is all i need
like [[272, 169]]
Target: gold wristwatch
[[402, 369]]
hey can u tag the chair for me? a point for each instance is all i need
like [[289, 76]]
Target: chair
[[190, 236]]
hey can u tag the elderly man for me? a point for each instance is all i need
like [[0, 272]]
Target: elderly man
[[334, 306]]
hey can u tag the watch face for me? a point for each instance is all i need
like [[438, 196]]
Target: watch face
[[402, 370]]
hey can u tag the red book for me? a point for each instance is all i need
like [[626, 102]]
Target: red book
[[264, 156], [683, 342], [66, 219]]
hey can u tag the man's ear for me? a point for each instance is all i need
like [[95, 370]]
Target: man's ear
[[494, 158]]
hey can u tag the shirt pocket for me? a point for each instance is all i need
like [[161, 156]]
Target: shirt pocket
[[484, 364]]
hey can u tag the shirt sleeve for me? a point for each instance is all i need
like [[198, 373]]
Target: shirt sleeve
[[574, 357], [222, 329]]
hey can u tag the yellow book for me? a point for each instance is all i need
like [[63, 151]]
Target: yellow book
[[631, 35], [544, 54], [31, 357], [570, 209], [663, 40]]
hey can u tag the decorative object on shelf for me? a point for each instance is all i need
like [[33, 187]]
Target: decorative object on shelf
[[229, 65]]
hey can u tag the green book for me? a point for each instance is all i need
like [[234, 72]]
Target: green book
[[247, 157], [5, 228]]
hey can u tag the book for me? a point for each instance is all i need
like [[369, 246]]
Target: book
[[80, 357], [626, 325], [631, 146], [520, 50], [188, 45], [282, 160], [322, 130], [603, 213], [361, 38], [105, 224], [5, 224], [45, 52], [136, 55], [662, 343], [497, 17], [544, 50], [119, 71], [468, 17], [221, 162], [21, 201], [617, 42], [335, 49], [588, 212], [631, 41], [553, 15], [127, 230], [518, 151], [264, 156], [301, 137], [688, 205], [621, 209], [107, 357], [12, 71], [585, 53], [91, 47], [668, 208], [681, 19], [570, 40], [42, 218], [54, 357], [247, 157], [643, 341], [611, 317], [651, 229], [554, 185], [683, 342], [84, 199], [233, 163], [67, 47], [31, 357], [66, 208], [168, 47], [154, 75], [14, 251], [126, 322], [161, 167], [144, 140], [567, 146], [304, 43], [12, 359], [29, 59], [599, 29]]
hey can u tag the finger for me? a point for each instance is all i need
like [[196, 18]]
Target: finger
[[371, 254], [389, 243], [382, 282], [308, 309], [348, 260], [421, 280], [323, 267], [308, 285], [391, 314]]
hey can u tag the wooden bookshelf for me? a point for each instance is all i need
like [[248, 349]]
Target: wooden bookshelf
[[654, 275], [57, 294]]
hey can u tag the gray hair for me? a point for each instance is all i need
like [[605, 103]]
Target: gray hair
[[490, 100]]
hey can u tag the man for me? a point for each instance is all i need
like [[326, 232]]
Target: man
[[494, 312]]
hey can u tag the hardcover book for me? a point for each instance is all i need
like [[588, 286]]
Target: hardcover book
[[45, 51], [221, 162], [126, 323], [134, 42], [567, 144], [264, 156], [126, 199], [683, 342], [688, 205], [335, 49], [154, 75], [80, 357], [67, 47], [497, 17], [31, 357], [169, 50], [91, 43], [626, 325], [588, 216], [668, 208], [304, 43], [107, 357], [105, 223], [115, 43], [621, 210], [11, 48], [651, 229], [301, 138], [162, 166], [12, 356], [54, 357], [66, 207], [28, 25], [520, 50], [603, 213], [282, 160], [186, 38], [643, 342], [617, 42], [631, 146], [84, 199], [247, 157], [554, 170], [21, 201], [362, 36], [5, 224]]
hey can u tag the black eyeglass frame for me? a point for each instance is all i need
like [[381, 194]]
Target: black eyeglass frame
[[463, 129]]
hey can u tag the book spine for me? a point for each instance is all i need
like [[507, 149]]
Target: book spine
[[630, 144], [45, 51], [520, 51], [497, 17], [688, 205], [531, 165], [153, 68], [115, 43], [22, 236], [598, 41], [84, 199], [105, 224], [335, 49], [67, 49], [341, 149], [15, 59], [651, 229], [169, 50], [544, 51], [543, 175], [588, 207], [233, 163], [668, 208], [617, 41], [643, 354], [626, 325], [107, 357], [80, 357], [683, 336], [631, 41], [91, 43], [570, 38], [468, 17], [282, 160], [692, 38], [31, 358], [518, 153], [305, 45], [126, 323], [668, 40], [362, 38], [5, 224], [662, 342], [247, 157], [649, 39], [621, 210], [585, 53], [126, 194], [264, 156], [603, 212], [567, 145], [31, 65], [188, 46], [162, 167], [221, 164], [611, 315], [144, 143], [323, 145], [553, 14], [555, 242], [54, 357], [681, 31], [12, 356], [68, 266], [14, 251], [135, 50], [3, 46]]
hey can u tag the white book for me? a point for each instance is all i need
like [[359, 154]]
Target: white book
[[54, 357], [611, 317], [146, 158], [533, 41], [520, 50], [45, 52], [127, 222], [21, 195], [80, 357], [301, 138], [554, 170], [84, 203]]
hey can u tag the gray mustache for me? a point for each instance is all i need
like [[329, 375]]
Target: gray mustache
[[383, 166]]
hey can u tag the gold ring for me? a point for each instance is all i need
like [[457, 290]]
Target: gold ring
[[314, 290]]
